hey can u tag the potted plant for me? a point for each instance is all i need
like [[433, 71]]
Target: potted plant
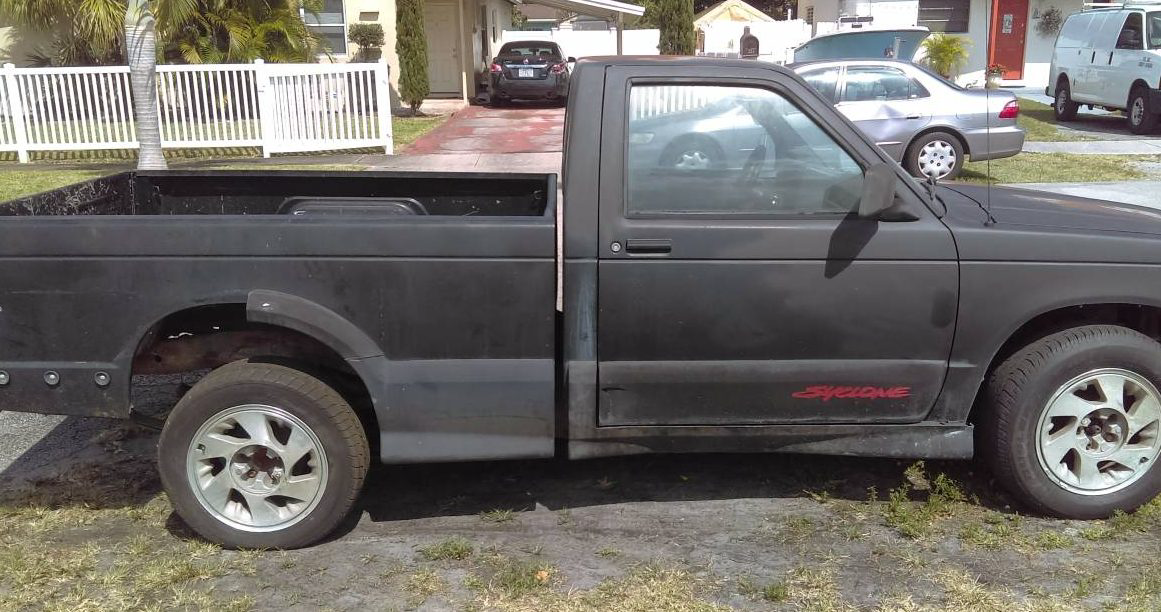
[[993, 76], [369, 37]]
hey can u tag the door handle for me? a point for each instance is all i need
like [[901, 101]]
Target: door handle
[[914, 116], [648, 246]]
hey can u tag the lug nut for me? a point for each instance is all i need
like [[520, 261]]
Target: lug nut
[[102, 379], [3, 378], [51, 378], [1085, 422]]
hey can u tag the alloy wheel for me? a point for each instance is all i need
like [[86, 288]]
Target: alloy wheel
[[1099, 433], [257, 468]]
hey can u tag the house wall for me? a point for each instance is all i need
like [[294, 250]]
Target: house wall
[[1037, 48], [489, 20], [15, 46]]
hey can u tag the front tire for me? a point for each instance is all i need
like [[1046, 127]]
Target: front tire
[[1071, 424], [937, 155], [1142, 118], [260, 455]]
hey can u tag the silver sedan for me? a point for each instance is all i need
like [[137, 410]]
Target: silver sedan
[[920, 119]]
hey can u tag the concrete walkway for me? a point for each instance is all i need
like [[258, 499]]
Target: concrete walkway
[[1097, 147]]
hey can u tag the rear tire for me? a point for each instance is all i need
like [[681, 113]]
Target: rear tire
[[939, 153], [1142, 118], [1063, 108], [260, 455], [1060, 436]]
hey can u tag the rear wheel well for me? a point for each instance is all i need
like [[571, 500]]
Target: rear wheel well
[[183, 347], [941, 128], [1144, 319], [1062, 80], [1138, 84]]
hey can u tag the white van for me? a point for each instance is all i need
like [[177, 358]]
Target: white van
[[1110, 57]]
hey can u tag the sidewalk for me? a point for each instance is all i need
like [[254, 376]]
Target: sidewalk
[[1097, 147]]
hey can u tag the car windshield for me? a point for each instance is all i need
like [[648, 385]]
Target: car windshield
[[1154, 19], [531, 49]]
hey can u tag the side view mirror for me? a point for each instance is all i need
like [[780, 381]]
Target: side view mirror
[[571, 59], [879, 183]]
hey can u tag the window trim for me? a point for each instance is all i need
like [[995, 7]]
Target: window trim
[[346, 30], [739, 82], [967, 21]]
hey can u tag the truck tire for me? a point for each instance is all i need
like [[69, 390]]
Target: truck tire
[[939, 154], [261, 455], [1071, 423], [1142, 118], [1063, 108]]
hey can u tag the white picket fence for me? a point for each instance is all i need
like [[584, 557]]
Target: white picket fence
[[281, 108]]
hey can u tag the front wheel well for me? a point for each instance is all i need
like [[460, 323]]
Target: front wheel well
[[1141, 318], [184, 346]]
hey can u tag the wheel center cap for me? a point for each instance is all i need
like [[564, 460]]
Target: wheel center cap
[[257, 469], [1101, 432]]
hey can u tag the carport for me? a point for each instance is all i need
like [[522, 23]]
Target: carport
[[609, 9]]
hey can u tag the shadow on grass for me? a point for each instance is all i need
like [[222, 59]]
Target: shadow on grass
[[95, 478]]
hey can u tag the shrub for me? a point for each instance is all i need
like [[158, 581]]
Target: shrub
[[946, 54], [411, 45], [369, 37]]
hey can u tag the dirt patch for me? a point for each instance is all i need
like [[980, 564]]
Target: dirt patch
[[643, 533]]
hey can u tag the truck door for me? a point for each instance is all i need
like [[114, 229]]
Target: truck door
[[1127, 60], [750, 294]]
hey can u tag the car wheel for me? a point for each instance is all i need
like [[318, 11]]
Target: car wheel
[[1072, 422], [692, 154], [937, 155], [1142, 118], [1063, 108], [261, 455]]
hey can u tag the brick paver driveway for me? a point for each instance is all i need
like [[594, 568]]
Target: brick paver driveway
[[479, 129]]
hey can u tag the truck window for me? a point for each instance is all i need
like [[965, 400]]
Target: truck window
[[732, 150], [880, 83], [1132, 35]]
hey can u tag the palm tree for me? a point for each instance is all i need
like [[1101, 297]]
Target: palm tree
[[141, 51], [88, 32]]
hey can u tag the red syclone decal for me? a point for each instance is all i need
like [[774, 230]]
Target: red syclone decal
[[828, 392]]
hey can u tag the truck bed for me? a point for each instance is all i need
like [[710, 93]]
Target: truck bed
[[433, 276]]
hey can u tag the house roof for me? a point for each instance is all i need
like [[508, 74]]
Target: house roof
[[730, 10], [595, 8]]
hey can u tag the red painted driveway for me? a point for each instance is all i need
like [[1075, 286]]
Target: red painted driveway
[[480, 129]]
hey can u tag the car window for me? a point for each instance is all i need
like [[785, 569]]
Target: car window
[[718, 150], [1154, 22], [879, 83], [1132, 35], [824, 81], [531, 49]]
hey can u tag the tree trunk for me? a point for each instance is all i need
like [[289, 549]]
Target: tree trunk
[[141, 51]]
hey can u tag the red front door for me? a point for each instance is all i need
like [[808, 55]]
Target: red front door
[[1006, 39]]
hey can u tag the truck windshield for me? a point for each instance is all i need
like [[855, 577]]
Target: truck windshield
[[1154, 19]]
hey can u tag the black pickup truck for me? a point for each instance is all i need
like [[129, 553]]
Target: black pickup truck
[[803, 295]]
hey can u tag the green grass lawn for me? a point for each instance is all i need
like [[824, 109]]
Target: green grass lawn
[[409, 129], [1057, 167], [1040, 124]]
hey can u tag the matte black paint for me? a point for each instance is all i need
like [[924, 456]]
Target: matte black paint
[[694, 339]]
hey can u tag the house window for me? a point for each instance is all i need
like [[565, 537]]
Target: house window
[[329, 24], [944, 15]]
